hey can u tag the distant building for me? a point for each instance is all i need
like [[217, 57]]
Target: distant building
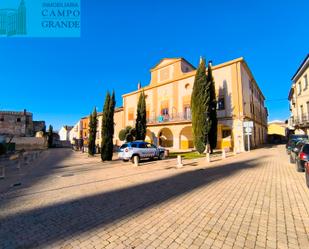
[[299, 99], [277, 131], [64, 133], [13, 21], [84, 127], [75, 132], [19, 124]]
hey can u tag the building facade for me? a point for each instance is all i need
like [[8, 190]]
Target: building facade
[[19, 124], [64, 133], [299, 99], [75, 132], [168, 98]]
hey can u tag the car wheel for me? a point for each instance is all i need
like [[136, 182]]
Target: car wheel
[[298, 167], [125, 160], [137, 158], [307, 178], [161, 156]]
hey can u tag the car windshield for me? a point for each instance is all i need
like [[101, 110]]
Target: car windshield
[[124, 146], [298, 136]]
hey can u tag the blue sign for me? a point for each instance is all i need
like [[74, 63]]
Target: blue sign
[[40, 18]]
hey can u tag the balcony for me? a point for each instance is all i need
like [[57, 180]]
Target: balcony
[[302, 121], [175, 117]]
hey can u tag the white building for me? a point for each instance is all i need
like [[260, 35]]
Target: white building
[[64, 133], [75, 132]]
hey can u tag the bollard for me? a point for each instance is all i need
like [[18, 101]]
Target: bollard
[[223, 153], [234, 152], [2, 176], [135, 160], [208, 157], [179, 161]]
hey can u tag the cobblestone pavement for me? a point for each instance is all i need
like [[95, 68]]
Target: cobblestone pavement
[[252, 200]]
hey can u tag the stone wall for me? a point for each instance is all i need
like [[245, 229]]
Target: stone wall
[[30, 143]]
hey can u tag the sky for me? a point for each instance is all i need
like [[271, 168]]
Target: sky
[[61, 80]]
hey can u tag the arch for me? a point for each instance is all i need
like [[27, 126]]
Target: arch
[[149, 136], [226, 135], [165, 137], [186, 138]]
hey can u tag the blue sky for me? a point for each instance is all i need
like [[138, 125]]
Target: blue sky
[[62, 79]]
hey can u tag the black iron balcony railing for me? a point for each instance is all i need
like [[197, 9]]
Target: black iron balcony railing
[[175, 117]]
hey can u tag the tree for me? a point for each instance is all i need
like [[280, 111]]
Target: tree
[[50, 138], [127, 134], [112, 106], [92, 132], [212, 110], [141, 122], [108, 127], [199, 108]]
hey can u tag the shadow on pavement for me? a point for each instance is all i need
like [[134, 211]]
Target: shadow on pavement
[[49, 224]]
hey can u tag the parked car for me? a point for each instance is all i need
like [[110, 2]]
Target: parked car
[[302, 157], [307, 173], [290, 145], [140, 150], [298, 136], [295, 150]]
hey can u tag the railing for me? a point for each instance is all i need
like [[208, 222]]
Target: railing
[[302, 120], [175, 117]]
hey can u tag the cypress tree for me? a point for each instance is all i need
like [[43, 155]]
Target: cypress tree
[[199, 108], [105, 133], [92, 132], [141, 122], [111, 124], [50, 138], [212, 110], [108, 127]]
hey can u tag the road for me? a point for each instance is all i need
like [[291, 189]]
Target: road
[[67, 200]]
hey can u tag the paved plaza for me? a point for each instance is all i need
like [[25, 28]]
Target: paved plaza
[[67, 200]]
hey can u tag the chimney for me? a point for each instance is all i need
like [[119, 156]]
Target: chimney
[[139, 85], [25, 112]]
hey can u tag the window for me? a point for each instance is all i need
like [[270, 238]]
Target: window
[[164, 111], [299, 88], [131, 114], [226, 133], [1, 119], [187, 112], [18, 120], [306, 81], [142, 145], [221, 104]]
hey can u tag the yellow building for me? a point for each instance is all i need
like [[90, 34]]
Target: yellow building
[[168, 98], [299, 99], [84, 122], [277, 128]]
